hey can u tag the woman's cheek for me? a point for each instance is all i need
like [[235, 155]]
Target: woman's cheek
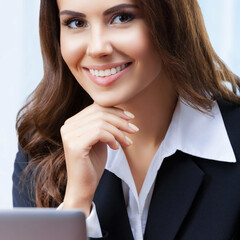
[[72, 51], [134, 41]]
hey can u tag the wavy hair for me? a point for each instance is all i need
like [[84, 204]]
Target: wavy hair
[[177, 29]]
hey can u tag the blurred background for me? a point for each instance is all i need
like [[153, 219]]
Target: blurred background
[[21, 64]]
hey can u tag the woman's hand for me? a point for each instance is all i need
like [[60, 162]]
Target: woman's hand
[[85, 138]]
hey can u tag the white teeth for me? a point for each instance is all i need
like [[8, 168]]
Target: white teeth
[[107, 72], [101, 73], [113, 71]]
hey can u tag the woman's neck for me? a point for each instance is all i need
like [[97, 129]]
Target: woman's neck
[[153, 109]]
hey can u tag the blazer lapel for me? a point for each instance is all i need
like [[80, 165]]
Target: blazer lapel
[[111, 207], [231, 117], [177, 184]]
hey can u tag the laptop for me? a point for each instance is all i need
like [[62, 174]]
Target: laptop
[[42, 224]]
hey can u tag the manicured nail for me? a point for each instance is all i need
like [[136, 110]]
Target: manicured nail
[[117, 145], [129, 141], [130, 115], [132, 126]]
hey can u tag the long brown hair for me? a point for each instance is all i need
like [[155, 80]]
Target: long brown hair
[[178, 32]]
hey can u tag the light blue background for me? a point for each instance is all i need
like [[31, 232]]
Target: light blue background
[[21, 66], [222, 20]]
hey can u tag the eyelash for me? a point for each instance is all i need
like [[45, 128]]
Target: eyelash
[[130, 16], [69, 21]]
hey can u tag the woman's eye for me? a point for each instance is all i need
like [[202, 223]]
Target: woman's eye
[[122, 18], [75, 23]]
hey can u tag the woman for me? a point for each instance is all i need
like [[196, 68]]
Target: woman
[[132, 122]]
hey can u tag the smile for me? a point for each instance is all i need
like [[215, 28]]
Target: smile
[[108, 72]]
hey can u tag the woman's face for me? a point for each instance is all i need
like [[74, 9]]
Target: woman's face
[[106, 45]]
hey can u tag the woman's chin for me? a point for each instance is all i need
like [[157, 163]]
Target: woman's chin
[[108, 101]]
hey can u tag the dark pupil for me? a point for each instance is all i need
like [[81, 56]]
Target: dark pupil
[[123, 18], [79, 23]]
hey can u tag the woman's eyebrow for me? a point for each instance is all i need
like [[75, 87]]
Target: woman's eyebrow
[[118, 7], [72, 13], [105, 13]]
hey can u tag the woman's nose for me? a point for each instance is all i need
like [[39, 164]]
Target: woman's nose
[[99, 44]]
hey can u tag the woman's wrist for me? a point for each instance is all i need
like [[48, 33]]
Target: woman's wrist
[[72, 203]]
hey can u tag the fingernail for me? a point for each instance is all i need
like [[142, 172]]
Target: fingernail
[[129, 141], [130, 115], [132, 126], [117, 145]]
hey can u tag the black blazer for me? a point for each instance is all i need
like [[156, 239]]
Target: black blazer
[[193, 198]]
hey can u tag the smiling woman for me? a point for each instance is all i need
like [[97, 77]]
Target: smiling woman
[[132, 122], [98, 55]]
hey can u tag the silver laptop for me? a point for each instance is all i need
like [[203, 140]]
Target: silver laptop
[[42, 224]]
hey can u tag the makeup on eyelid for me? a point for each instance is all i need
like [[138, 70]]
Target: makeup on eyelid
[[129, 16]]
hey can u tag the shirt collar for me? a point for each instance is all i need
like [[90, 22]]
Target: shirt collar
[[199, 134]]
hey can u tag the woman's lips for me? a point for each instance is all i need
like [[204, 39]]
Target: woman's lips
[[106, 77]]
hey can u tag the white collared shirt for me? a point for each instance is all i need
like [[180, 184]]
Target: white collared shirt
[[190, 131]]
